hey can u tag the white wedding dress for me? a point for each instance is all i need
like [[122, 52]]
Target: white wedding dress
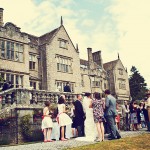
[[89, 125]]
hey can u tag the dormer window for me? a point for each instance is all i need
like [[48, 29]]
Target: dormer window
[[63, 43]]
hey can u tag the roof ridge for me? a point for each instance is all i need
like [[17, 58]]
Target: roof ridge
[[111, 61], [49, 32]]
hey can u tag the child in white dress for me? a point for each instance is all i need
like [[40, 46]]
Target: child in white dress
[[47, 123], [62, 118]]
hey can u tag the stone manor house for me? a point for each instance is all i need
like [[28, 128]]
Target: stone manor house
[[50, 61]]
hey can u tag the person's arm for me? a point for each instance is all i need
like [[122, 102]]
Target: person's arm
[[45, 111], [104, 104], [90, 106], [107, 102], [127, 110], [79, 109], [64, 108]]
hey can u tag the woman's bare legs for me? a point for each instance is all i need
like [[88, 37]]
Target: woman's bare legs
[[45, 134], [99, 131], [49, 131], [102, 130], [63, 133]]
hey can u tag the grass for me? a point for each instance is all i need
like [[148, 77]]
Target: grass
[[141, 142]]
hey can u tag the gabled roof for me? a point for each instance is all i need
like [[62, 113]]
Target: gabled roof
[[48, 36], [33, 39], [110, 65], [42, 39]]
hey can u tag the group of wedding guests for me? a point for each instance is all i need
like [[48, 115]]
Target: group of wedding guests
[[87, 117], [135, 116]]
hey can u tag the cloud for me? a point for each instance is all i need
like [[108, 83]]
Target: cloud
[[87, 23], [132, 23], [123, 26]]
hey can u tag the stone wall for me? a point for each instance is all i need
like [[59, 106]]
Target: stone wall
[[52, 74]]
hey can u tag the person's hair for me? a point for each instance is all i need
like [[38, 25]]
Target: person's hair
[[78, 95], [97, 95], [107, 92], [87, 94], [67, 83], [141, 104], [103, 95], [61, 100], [47, 103]]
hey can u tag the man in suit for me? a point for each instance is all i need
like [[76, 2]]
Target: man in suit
[[79, 116], [5, 86], [67, 88], [125, 115], [110, 114]]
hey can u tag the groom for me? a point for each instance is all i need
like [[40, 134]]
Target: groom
[[110, 114], [79, 116]]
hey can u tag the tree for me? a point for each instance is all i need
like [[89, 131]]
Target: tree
[[137, 85], [1, 81]]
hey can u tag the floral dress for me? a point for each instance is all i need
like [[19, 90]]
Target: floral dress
[[98, 110]]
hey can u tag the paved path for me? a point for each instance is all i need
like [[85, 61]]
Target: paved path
[[60, 145]]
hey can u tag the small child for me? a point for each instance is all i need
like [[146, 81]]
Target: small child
[[117, 119]]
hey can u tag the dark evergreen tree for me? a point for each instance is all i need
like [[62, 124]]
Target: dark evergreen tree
[[1, 81], [137, 85]]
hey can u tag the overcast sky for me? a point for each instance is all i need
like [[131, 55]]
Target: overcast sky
[[112, 26]]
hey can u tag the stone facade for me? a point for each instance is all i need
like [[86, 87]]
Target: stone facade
[[9, 61], [50, 61], [118, 79], [47, 62], [93, 75]]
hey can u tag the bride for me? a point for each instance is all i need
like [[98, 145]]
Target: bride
[[89, 125]]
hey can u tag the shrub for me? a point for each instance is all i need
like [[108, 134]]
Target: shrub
[[28, 133], [26, 127], [37, 135]]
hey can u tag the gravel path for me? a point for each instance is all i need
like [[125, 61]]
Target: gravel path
[[60, 145]]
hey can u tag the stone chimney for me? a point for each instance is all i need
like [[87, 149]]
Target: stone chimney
[[90, 58], [98, 58], [1, 16]]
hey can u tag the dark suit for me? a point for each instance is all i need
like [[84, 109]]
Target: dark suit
[[67, 88], [79, 118], [5, 86]]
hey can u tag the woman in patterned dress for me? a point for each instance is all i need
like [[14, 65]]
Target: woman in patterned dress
[[98, 105], [133, 115]]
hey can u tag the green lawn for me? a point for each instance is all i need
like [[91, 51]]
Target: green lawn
[[141, 142]]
